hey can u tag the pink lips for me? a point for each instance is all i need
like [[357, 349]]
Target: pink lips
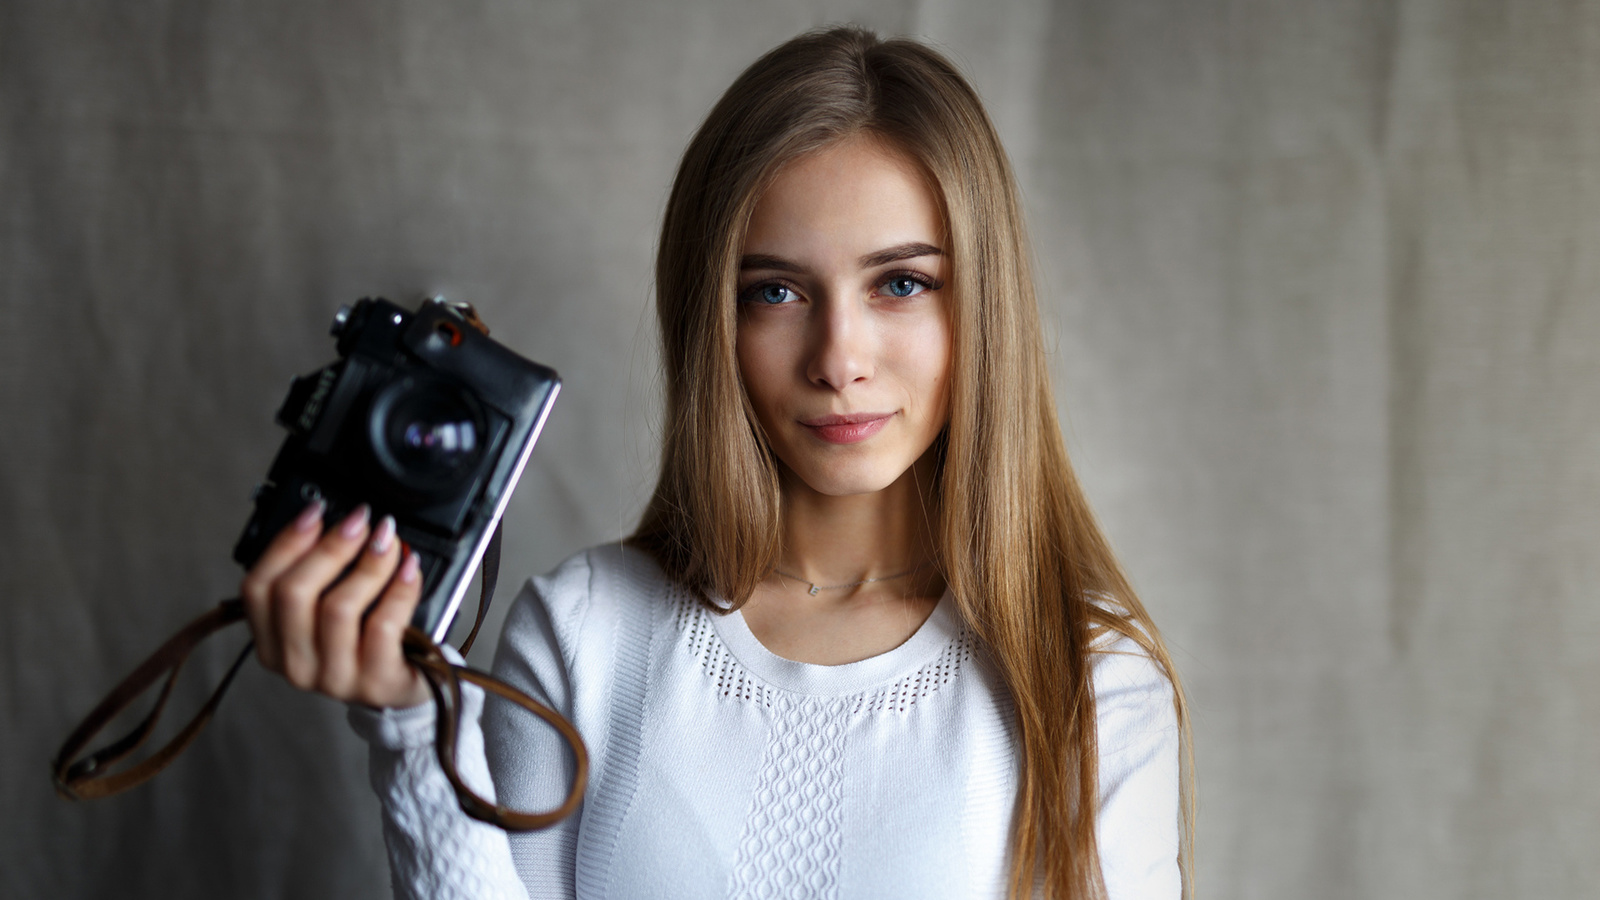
[[847, 429]]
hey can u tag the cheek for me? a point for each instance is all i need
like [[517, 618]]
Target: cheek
[[928, 361], [759, 366]]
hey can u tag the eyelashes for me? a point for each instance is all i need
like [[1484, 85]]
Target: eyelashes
[[768, 293], [897, 285], [904, 285]]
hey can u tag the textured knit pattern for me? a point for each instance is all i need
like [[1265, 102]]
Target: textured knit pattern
[[426, 866], [790, 846], [424, 860], [693, 620], [904, 694], [721, 770], [693, 623]]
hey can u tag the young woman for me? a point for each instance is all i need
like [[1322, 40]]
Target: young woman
[[868, 640]]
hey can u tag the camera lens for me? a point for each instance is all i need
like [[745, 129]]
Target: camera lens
[[427, 435]]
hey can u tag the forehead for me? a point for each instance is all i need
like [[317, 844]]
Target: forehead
[[853, 196]]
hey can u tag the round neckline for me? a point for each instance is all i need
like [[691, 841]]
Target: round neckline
[[847, 678]]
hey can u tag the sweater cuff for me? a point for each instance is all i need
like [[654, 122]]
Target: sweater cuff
[[394, 729], [411, 727]]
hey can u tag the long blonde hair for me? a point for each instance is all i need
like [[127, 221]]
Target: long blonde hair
[[1019, 547]]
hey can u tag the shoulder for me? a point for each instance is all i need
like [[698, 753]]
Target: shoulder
[[1137, 734], [611, 565], [572, 619], [605, 581], [1133, 693]]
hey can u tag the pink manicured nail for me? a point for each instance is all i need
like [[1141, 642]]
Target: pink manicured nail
[[383, 537], [410, 569], [310, 516], [353, 524]]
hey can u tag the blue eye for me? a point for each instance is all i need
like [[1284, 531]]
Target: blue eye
[[904, 286], [769, 294]]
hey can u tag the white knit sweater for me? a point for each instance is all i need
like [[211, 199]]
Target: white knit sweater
[[721, 770]]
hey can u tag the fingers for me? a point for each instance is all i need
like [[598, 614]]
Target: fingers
[[328, 607], [256, 588], [338, 625], [296, 593], [388, 679]]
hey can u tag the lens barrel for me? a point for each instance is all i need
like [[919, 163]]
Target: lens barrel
[[427, 434]]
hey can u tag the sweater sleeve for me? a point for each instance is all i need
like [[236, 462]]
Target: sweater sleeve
[[1137, 733], [509, 756], [532, 766], [435, 849]]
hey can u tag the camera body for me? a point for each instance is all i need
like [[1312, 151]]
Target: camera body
[[424, 418]]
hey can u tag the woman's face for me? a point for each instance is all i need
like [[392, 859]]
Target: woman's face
[[844, 330]]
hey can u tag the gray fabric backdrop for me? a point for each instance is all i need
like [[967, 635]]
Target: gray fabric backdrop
[[1321, 278]]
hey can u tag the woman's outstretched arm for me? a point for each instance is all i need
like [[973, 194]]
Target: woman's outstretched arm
[[435, 849], [327, 608]]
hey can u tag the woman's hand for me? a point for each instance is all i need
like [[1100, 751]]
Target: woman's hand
[[308, 621]]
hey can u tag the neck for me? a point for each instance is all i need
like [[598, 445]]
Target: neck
[[841, 540]]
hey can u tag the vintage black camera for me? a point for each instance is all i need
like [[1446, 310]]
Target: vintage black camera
[[423, 417]]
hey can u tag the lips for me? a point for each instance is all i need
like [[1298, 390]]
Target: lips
[[850, 428]]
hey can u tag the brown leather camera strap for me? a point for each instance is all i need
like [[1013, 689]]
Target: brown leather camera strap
[[444, 680], [489, 567], [86, 777]]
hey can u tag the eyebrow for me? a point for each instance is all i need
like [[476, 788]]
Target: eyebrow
[[898, 253], [871, 260]]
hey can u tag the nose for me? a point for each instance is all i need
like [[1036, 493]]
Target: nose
[[841, 351]]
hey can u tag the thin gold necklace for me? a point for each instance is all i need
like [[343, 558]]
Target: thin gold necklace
[[854, 584]]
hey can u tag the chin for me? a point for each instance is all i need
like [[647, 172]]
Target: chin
[[846, 481]]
